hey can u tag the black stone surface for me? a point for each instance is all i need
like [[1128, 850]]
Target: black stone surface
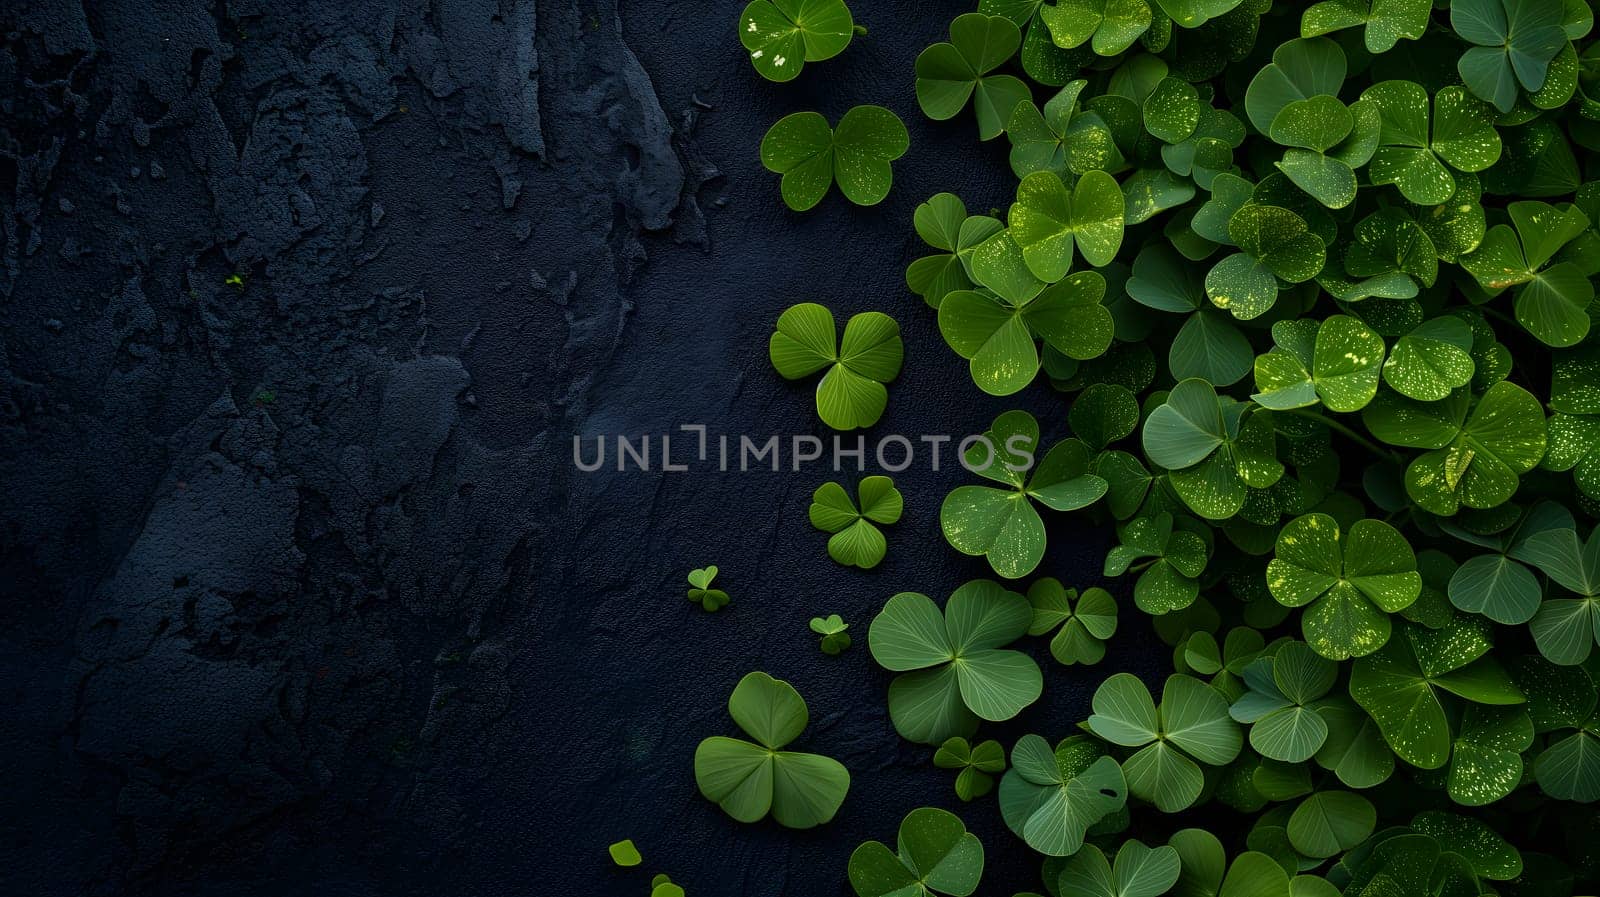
[[300, 592]]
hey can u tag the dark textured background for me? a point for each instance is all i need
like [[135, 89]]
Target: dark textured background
[[301, 593]]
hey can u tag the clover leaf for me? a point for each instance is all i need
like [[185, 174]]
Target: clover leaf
[[1516, 40], [1139, 871], [1354, 751], [748, 780], [1326, 143], [1411, 157], [833, 629], [1170, 562], [701, 592], [783, 35], [1432, 360], [1214, 448], [1104, 413], [978, 764], [812, 156], [1329, 823], [662, 886], [1354, 582], [1061, 137], [1191, 724], [1085, 623], [1392, 252], [1566, 629], [1053, 798], [1552, 302], [1386, 22], [856, 542], [1475, 459], [1490, 855], [1208, 873], [1403, 686], [1002, 524], [851, 394], [1208, 346], [997, 337], [1300, 69], [1047, 220], [1274, 243], [1486, 758], [1108, 26], [1337, 362], [1194, 13], [1575, 422], [1499, 585], [949, 74], [1278, 705], [934, 855], [940, 223], [954, 668], [1561, 699]]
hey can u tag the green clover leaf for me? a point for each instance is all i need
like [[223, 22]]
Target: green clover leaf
[[701, 592], [1432, 360], [1551, 302], [1139, 871], [1192, 724], [1002, 524], [833, 629], [998, 337], [1274, 243], [851, 394], [1053, 798], [1352, 584], [1411, 157], [941, 222], [1300, 69], [1499, 585], [1214, 449], [1387, 22], [955, 671], [979, 764], [1047, 220], [812, 156], [856, 542], [935, 855], [1337, 362], [1516, 40], [783, 35], [1170, 562], [949, 74], [1326, 143], [1566, 629], [748, 780], [1109, 26], [1082, 624], [1278, 704]]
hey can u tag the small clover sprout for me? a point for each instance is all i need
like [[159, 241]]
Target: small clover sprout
[[835, 638], [851, 393], [812, 156], [701, 592], [979, 764], [624, 854], [856, 542], [1082, 624]]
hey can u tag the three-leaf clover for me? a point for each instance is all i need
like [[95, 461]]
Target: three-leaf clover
[[1412, 157], [1551, 302], [1191, 724], [1562, 699], [1002, 524], [834, 632], [851, 394], [1274, 243], [1208, 873], [813, 157], [783, 35], [701, 592], [941, 222], [949, 74], [1355, 582], [856, 542], [1053, 798], [1475, 459], [1329, 823], [955, 669], [1139, 871], [1499, 585], [1085, 622], [1048, 220], [1214, 448], [1337, 362], [1326, 142], [1300, 69], [1208, 346], [997, 336], [747, 780], [1402, 686], [934, 855], [979, 764], [1516, 40], [1060, 137], [1109, 26], [1280, 704], [1170, 561]]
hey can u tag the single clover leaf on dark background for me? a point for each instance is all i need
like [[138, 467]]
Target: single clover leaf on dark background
[[949, 74], [851, 394], [856, 541], [783, 35]]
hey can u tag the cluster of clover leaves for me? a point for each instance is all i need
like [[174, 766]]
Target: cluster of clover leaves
[[1315, 283]]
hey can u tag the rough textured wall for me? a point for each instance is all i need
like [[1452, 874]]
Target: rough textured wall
[[302, 303]]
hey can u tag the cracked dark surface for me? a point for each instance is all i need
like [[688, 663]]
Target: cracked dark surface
[[302, 593]]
